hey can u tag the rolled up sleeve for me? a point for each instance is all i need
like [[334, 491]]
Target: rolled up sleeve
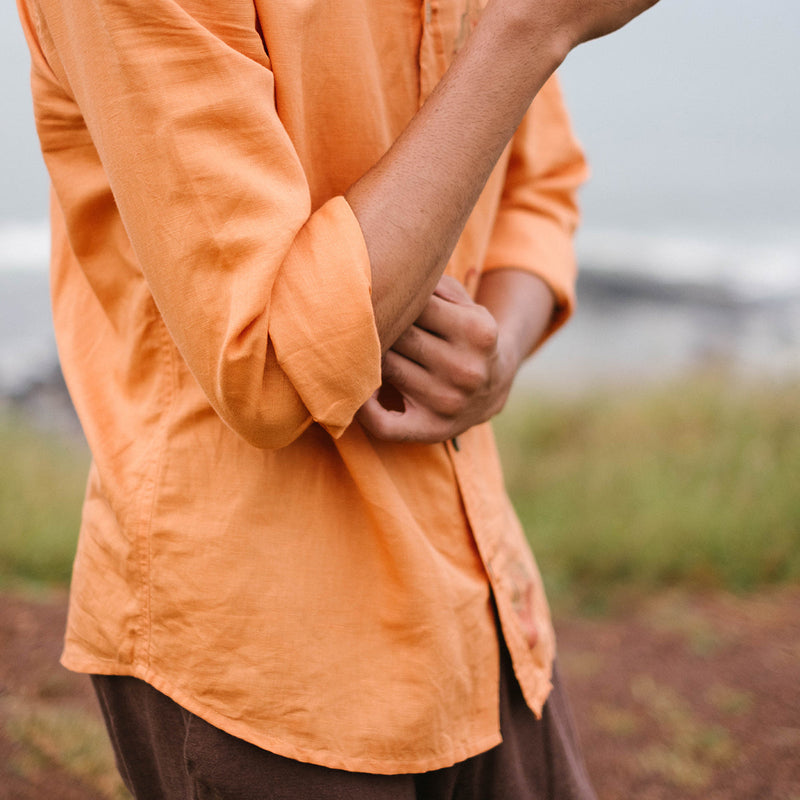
[[538, 211], [267, 299]]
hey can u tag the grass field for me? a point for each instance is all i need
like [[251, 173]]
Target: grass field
[[694, 484], [42, 476]]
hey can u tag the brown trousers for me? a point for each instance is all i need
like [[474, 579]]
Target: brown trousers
[[166, 753]]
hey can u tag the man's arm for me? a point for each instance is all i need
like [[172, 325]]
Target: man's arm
[[532, 232], [413, 205]]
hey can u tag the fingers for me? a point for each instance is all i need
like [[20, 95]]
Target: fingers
[[436, 374], [384, 423], [452, 290], [414, 424], [445, 369], [435, 405], [445, 306], [448, 393], [457, 319]]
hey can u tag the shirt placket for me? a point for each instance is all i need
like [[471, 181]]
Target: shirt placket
[[516, 585], [433, 61]]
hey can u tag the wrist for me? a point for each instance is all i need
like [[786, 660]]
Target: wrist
[[508, 361], [533, 40]]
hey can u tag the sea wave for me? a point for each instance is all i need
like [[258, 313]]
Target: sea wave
[[743, 271], [737, 270], [24, 244]]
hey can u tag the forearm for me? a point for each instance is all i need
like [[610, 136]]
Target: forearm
[[522, 304], [413, 204]]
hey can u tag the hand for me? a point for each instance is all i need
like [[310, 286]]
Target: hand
[[591, 19], [574, 21], [447, 372]]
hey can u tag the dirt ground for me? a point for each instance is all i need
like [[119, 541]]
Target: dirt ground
[[680, 696]]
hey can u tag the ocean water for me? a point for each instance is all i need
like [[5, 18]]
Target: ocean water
[[27, 343]]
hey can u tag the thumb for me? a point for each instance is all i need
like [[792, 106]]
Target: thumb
[[377, 419], [415, 424]]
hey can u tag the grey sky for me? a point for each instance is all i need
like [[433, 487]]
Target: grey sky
[[23, 183], [691, 117]]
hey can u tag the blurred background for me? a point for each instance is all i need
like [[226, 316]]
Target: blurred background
[[652, 448]]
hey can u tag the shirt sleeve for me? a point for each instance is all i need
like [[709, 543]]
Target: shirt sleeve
[[538, 211], [267, 299]]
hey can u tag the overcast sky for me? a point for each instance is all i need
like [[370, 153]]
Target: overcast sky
[[691, 116]]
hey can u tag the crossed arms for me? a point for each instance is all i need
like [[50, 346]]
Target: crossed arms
[[454, 366]]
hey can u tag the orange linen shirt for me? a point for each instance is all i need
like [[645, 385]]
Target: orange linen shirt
[[244, 548]]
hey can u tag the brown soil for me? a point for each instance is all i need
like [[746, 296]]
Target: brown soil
[[680, 696], [690, 696]]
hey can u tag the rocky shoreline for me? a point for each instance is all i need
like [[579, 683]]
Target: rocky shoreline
[[46, 403]]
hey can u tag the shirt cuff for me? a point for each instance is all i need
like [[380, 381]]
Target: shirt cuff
[[331, 354]]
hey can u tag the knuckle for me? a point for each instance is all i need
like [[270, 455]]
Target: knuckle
[[471, 376], [484, 331], [393, 367], [450, 403]]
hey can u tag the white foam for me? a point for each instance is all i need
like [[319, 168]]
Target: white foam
[[749, 270], [24, 245]]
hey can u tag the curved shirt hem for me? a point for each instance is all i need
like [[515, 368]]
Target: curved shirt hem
[[320, 756]]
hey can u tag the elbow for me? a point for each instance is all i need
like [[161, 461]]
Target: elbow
[[268, 434], [266, 428], [263, 408]]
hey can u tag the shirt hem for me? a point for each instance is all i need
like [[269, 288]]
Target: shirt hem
[[310, 755]]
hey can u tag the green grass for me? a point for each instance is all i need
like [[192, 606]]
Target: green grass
[[42, 478], [69, 738], [696, 484], [689, 749]]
